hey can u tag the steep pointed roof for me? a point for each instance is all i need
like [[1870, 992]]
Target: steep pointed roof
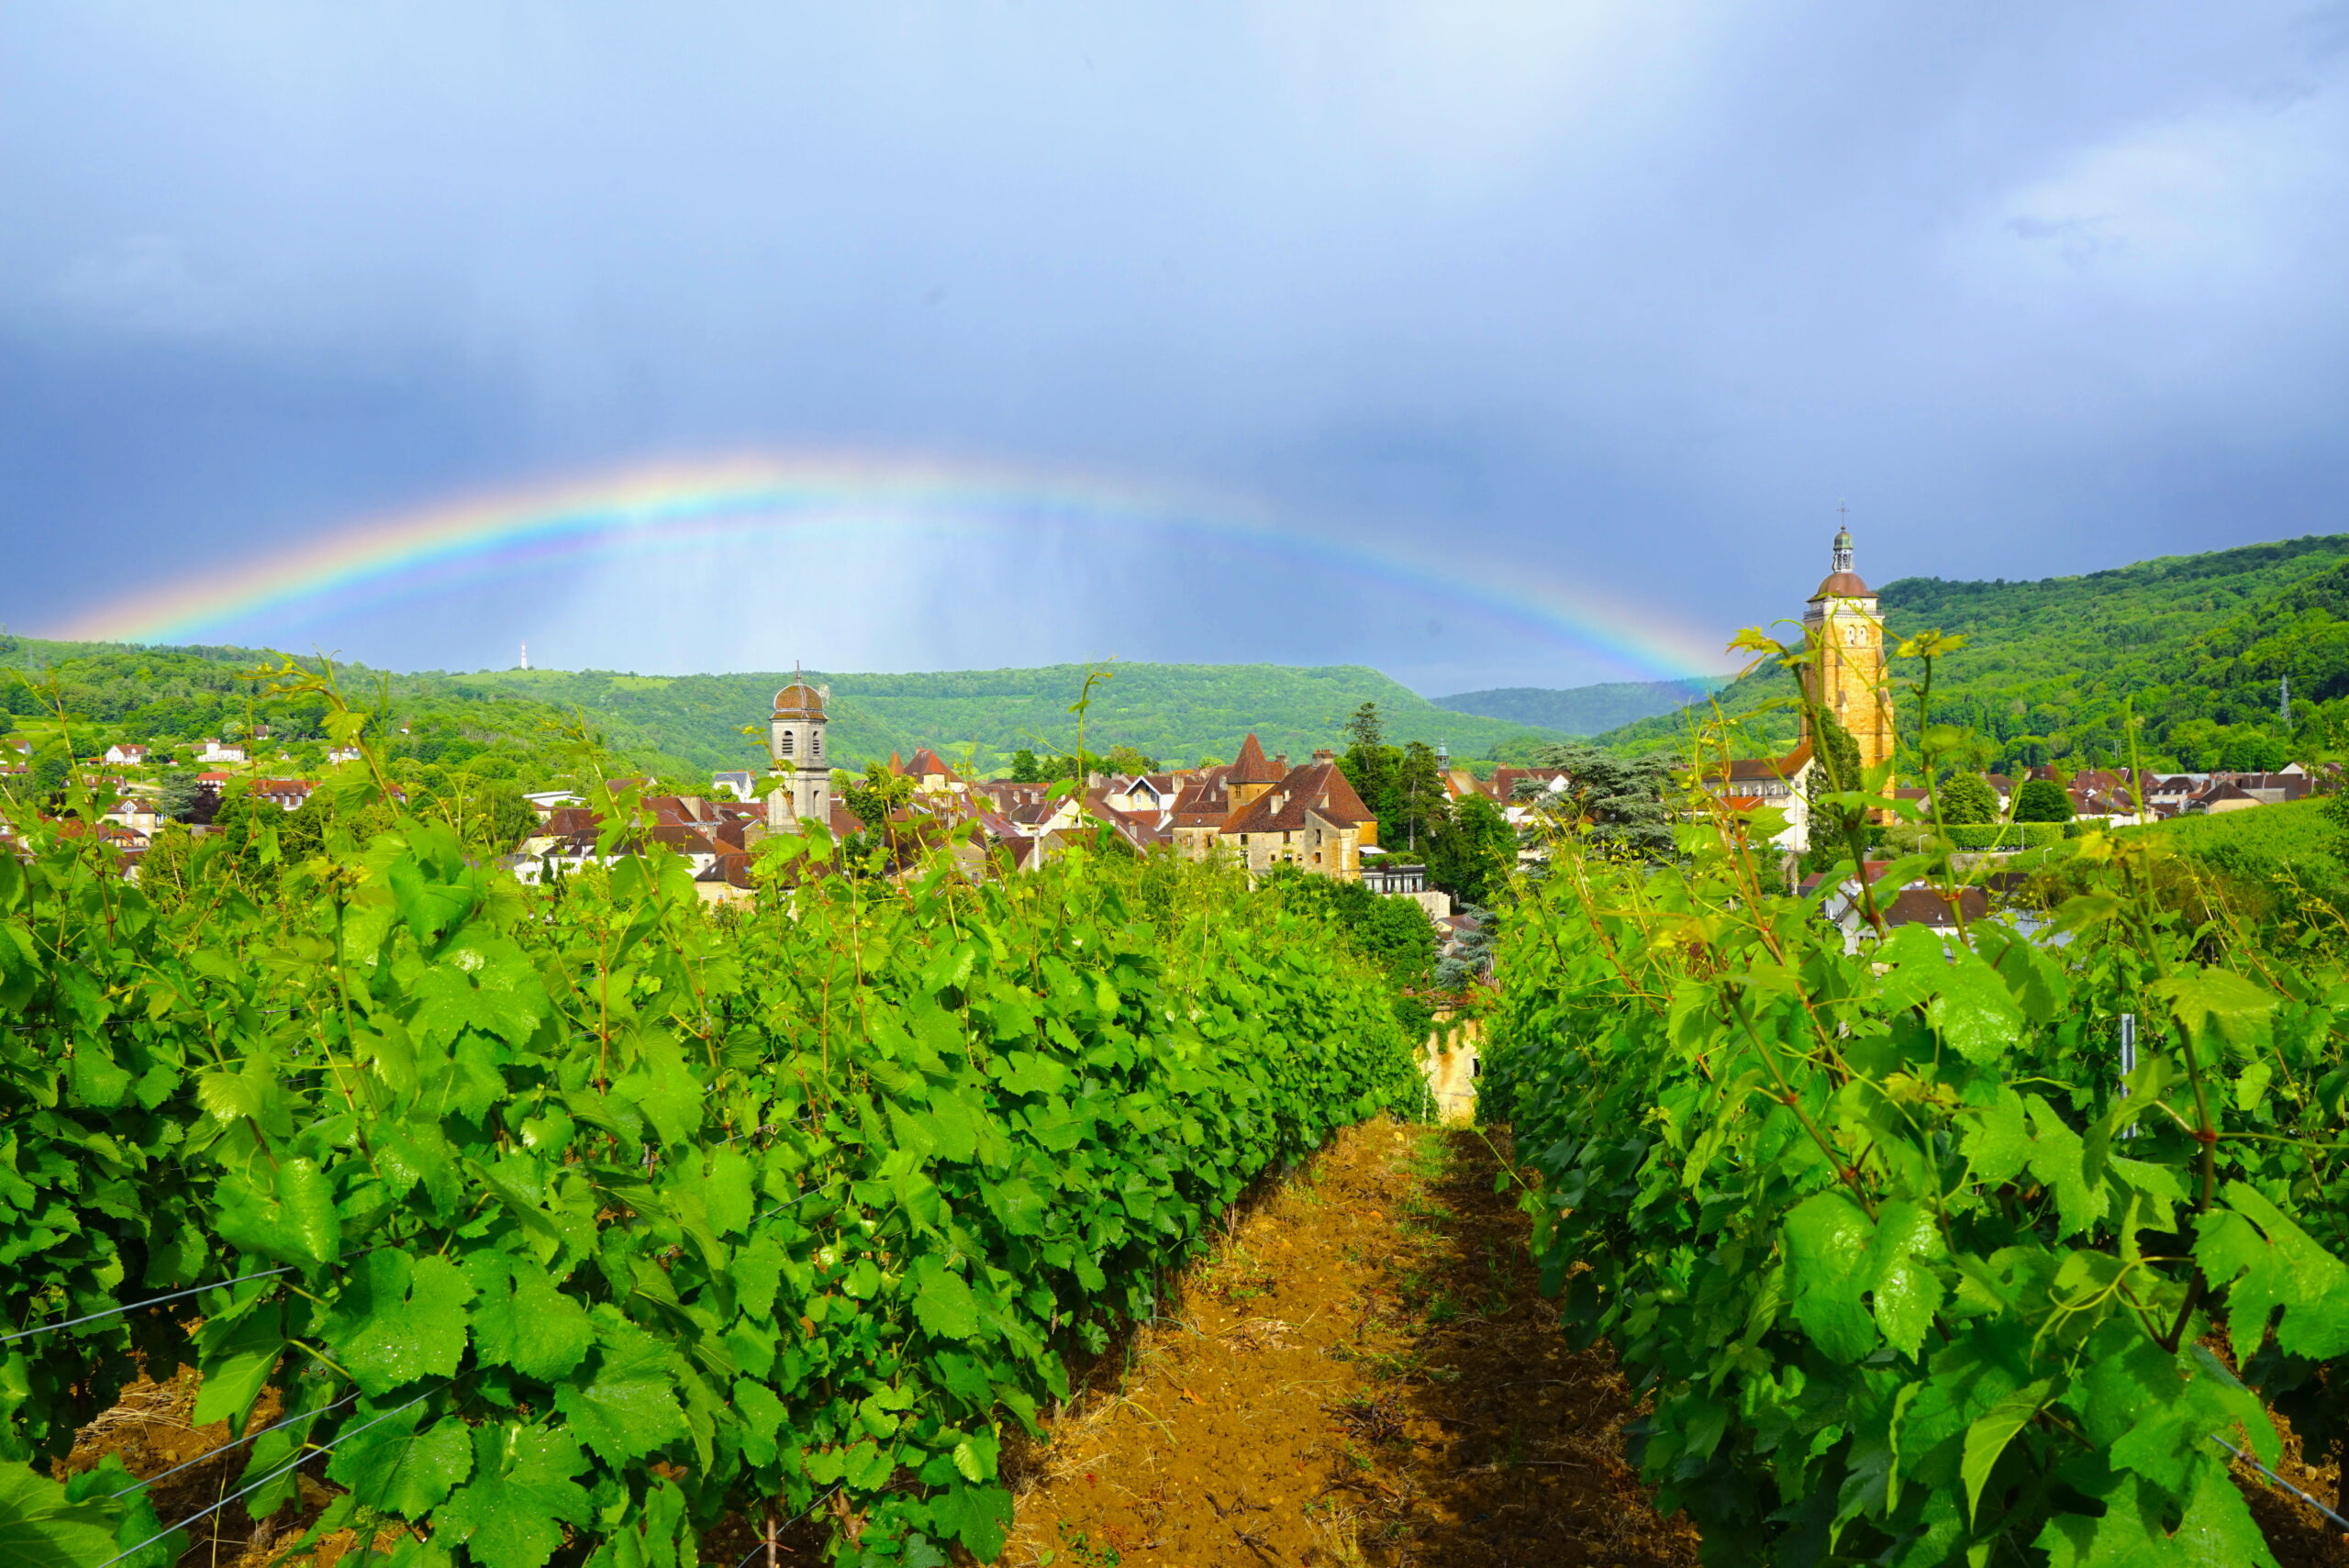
[[927, 762], [1252, 767]]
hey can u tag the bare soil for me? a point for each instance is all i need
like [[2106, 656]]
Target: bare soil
[[1364, 1372]]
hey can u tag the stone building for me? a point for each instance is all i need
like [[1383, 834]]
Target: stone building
[[1268, 813]]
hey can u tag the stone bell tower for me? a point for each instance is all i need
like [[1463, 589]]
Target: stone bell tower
[[1846, 671], [795, 738]]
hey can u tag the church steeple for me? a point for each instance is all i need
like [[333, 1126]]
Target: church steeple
[[1846, 671]]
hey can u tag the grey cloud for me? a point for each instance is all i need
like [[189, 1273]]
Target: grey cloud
[[1632, 293]]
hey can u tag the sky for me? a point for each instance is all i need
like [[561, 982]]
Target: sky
[[1487, 344]]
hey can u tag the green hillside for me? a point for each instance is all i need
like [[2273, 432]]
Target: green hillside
[[2195, 644], [691, 724], [1177, 713], [1582, 710]]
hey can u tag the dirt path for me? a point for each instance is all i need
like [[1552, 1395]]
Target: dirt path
[[1363, 1374]]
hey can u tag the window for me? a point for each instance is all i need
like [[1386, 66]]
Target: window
[[784, 749], [816, 744]]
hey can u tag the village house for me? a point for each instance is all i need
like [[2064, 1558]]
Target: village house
[[1270, 814], [124, 754], [210, 749], [286, 795]]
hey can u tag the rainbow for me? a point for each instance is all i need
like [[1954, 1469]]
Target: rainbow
[[710, 503]]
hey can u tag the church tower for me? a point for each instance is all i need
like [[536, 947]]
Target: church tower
[[1845, 670], [795, 738]]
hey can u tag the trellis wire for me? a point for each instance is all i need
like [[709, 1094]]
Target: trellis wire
[[298, 1459], [2279, 1481], [788, 1523], [215, 1454], [151, 1301]]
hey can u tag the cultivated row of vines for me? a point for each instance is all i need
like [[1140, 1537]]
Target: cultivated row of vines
[[566, 1224], [1912, 1272]]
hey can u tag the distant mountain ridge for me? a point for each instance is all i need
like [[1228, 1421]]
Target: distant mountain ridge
[[681, 724], [1582, 710], [1177, 713], [2192, 646]]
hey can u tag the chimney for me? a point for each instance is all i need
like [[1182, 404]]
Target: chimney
[[1323, 755], [1280, 761]]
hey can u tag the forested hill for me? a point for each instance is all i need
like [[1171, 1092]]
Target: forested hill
[[1176, 712], [678, 726], [1582, 710], [2196, 644]]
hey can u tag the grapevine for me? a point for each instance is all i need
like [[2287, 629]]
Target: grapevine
[[1910, 1271], [569, 1222]]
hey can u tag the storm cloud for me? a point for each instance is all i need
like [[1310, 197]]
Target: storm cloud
[[1628, 296]]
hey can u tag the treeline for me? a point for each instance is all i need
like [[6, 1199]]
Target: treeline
[[2197, 649], [1467, 845]]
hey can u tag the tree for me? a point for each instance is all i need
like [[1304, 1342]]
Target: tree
[[186, 798], [1365, 729], [1416, 802], [1024, 768], [1125, 762], [1472, 855], [872, 797], [1470, 957], [53, 767], [1967, 799], [2250, 752], [1619, 802], [1837, 772], [2042, 800]]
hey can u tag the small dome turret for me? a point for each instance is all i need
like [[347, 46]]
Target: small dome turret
[[799, 700]]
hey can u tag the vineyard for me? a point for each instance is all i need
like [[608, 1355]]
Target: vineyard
[[574, 1224], [591, 1224], [1915, 1264]]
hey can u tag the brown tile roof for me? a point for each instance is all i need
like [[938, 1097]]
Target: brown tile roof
[[1250, 766], [927, 762], [1502, 785], [684, 839], [1318, 787], [1746, 769], [1204, 802], [1925, 907]]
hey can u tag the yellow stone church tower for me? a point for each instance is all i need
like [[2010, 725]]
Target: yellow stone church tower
[[1846, 645]]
